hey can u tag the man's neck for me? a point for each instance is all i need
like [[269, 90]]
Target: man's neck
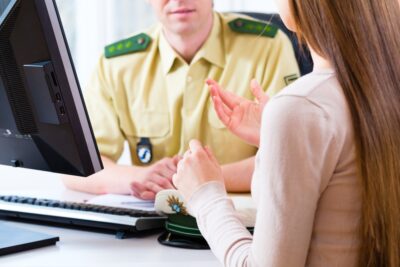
[[187, 45]]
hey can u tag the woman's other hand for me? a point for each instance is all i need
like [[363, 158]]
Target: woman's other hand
[[240, 115], [197, 167]]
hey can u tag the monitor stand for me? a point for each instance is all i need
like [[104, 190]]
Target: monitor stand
[[15, 239]]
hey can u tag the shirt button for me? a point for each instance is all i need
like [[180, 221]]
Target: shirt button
[[189, 79]]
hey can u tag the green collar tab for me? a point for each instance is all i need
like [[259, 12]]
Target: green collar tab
[[253, 27], [136, 43]]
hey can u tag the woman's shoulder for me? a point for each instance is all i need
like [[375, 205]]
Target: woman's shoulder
[[315, 98], [317, 82], [320, 89]]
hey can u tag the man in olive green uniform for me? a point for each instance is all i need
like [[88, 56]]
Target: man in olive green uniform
[[150, 90]]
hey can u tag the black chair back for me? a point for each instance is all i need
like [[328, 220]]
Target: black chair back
[[302, 53]]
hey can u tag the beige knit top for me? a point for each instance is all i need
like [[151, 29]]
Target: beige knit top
[[304, 185]]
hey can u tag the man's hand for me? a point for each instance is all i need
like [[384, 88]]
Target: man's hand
[[240, 115], [152, 179]]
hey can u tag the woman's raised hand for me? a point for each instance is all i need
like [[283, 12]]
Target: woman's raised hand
[[240, 115]]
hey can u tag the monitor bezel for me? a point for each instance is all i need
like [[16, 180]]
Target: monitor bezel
[[48, 9]]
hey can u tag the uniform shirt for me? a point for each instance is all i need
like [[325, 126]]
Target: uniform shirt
[[305, 186], [157, 95]]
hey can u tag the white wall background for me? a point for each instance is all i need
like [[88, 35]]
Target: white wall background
[[92, 24], [246, 5]]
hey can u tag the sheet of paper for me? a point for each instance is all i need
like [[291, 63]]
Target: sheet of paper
[[123, 201]]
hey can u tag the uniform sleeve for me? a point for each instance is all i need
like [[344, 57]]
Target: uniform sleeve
[[281, 66], [297, 157], [100, 101]]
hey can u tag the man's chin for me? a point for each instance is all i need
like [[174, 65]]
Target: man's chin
[[183, 29]]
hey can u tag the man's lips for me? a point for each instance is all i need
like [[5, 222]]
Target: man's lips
[[182, 11]]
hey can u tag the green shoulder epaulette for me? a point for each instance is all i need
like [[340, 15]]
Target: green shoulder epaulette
[[253, 27], [134, 44]]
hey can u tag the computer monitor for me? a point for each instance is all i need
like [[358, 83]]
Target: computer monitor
[[43, 120]]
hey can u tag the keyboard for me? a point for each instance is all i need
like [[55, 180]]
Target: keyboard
[[120, 220]]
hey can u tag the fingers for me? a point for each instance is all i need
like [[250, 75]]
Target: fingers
[[150, 187], [211, 82], [171, 168], [165, 167], [197, 167], [162, 182], [166, 173], [198, 150], [222, 111], [210, 154], [157, 184], [256, 89], [195, 145], [208, 151], [258, 92], [174, 179], [216, 98], [214, 88], [148, 195], [186, 155], [148, 190], [153, 187], [176, 160], [140, 191], [229, 99]]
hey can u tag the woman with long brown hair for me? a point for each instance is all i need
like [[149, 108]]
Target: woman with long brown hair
[[327, 176]]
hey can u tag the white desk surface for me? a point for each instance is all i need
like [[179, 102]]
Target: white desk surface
[[82, 248]]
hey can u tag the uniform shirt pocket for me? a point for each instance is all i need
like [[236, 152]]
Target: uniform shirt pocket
[[151, 124]]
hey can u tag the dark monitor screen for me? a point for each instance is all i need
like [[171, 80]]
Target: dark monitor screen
[[43, 119]]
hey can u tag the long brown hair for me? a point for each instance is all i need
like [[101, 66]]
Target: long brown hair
[[361, 38]]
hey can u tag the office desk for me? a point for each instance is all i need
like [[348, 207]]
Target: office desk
[[83, 248]]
